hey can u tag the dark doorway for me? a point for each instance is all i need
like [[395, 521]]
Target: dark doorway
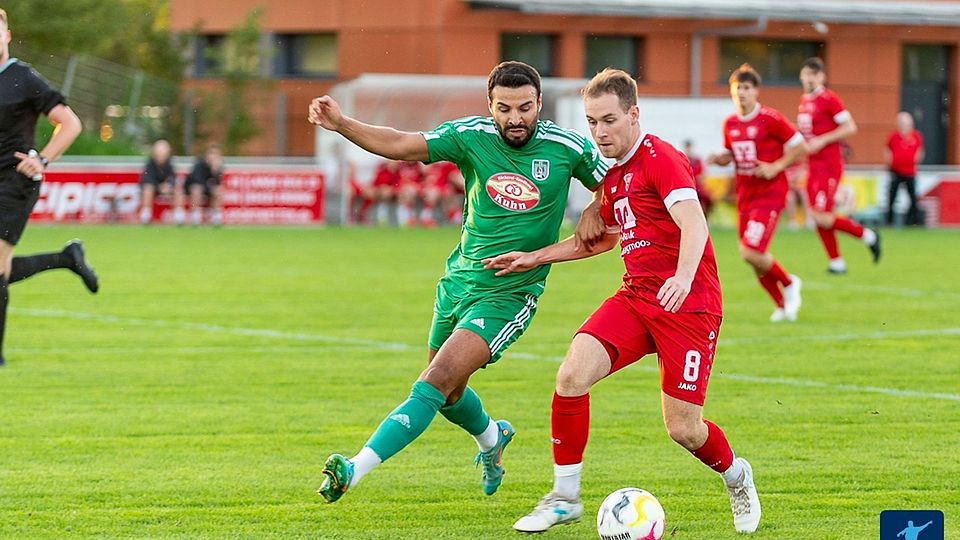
[[925, 94]]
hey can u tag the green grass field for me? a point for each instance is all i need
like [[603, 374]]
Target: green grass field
[[198, 394]]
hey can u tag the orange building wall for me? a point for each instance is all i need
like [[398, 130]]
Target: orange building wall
[[449, 37]]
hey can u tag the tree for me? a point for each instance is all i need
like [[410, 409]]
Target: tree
[[238, 61]]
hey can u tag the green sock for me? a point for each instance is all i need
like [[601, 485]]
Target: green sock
[[468, 413], [402, 426]]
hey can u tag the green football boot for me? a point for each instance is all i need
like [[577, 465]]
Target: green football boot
[[492, 459], [338, 472]]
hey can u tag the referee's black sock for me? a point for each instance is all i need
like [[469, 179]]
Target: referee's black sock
[[4, 296], [24, 267]]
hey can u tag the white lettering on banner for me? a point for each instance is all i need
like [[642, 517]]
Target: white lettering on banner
[[95, 195], [68, 198]]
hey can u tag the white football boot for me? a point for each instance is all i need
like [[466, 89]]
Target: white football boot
[[778, 315], [792, 299], [744, 501], [552, 509]]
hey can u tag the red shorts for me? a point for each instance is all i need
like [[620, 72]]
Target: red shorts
[[630, 328], [822, 182], [757, 226]]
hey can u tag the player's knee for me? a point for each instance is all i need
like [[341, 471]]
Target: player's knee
[[750, 255], [684, 432], [823, 219], [572, 381]]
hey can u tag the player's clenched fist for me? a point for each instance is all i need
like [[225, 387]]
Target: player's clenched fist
[[325, 112]]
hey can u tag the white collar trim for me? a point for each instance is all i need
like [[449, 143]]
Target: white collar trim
[[753, 114], [633, 150]]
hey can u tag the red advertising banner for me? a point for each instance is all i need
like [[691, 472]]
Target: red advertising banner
[[99, 195]]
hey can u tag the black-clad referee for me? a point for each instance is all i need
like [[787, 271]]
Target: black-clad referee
[[24, 95]]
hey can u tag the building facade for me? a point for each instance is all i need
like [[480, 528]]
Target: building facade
[[881, 56]]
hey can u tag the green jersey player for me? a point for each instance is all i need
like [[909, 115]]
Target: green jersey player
[[517, 171]]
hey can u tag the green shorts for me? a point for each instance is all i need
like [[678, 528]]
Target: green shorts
[[499, 317]]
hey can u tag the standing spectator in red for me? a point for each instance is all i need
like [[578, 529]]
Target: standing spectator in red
[[903, 152]]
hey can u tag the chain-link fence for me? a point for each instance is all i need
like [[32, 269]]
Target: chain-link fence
[[112, 99]]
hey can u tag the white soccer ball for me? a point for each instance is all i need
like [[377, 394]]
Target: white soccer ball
[[630, 514]]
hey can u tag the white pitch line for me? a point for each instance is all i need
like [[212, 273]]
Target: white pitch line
[[883, 289], [386, 345], [842, 337], [216, 328]]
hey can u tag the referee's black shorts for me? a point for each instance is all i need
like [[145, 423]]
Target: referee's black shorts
[[18, 194]]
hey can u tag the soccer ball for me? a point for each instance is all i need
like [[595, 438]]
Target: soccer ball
[[630, 514]]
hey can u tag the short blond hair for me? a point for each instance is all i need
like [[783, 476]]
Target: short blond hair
[[3, 17], [616, 82]]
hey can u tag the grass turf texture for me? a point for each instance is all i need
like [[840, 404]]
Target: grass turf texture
[[198, 394]]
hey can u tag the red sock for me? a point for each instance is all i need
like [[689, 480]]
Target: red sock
[[848, 226], [829, 239], [570, 426], [780, 274], [769, 282], [364, 208], [716, 452]]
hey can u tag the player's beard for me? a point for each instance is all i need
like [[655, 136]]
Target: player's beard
[[515, 143]]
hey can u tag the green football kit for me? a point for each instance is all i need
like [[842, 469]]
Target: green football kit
[[514, 201]]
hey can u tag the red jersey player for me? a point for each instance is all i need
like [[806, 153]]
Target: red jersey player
[[824, 122], [755, 138], [669, 304]]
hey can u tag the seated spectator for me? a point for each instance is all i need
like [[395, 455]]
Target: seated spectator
[[203, 185], [383, 189], [409, 192], [157, 178], [443, 188]]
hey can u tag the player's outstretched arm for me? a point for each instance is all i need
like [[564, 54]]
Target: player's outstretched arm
[[381, 140], [521, 261], [688, 215]]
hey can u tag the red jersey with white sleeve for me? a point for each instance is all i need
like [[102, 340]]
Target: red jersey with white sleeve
[[637, 192], [759, 137], [821, 111]]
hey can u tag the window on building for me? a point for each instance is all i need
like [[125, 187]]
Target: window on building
[[209, 55], [534, 49], [621, 52], [306, 55], [925, 63], [778, 62]]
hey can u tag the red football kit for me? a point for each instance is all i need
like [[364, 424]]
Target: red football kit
[[637, 193], [759, 137], [821, 112]]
